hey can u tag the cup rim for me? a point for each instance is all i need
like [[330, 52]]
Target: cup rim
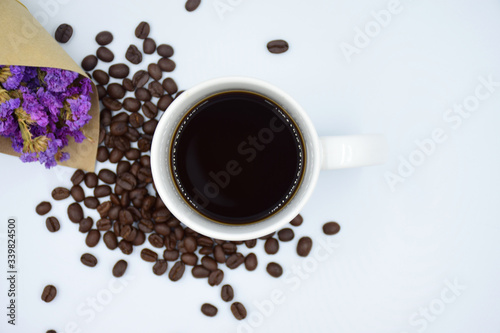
[[195, 220]]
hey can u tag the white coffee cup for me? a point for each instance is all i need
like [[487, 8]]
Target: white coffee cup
[[332, 152]]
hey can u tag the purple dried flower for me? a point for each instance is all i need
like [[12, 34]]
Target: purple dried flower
[[13, 82], [8, 124], [58, 80]]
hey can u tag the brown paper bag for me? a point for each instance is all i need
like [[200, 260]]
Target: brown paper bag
[[24, 42]]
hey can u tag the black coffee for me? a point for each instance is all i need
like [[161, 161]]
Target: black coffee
[[237, 157]]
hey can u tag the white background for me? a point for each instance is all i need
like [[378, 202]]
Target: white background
[[398, 250]]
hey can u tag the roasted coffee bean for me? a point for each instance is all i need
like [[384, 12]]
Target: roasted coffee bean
[[116, 91], [103, 225], [91, 180], [148, 255], [170, 242], [251, 262], [122, 143], [171, 255], [156, 89], [229, 248], [160, 267], [165, 102], [63, 33], [107, 176], [165, 50], [170, 86], [100, 76], [78, 177], [115, 156], [101, 92], [189, 243], [52, 224], [75, 212], [142, 30], [297, 221], [271, 246], [49, 293], [133, 55], [125, 217], [127, 181], [155, 71], [227, 293], [105, 116], [156, 240], [102, 154], [150, 110], [235, 260], [146, 225], [144, 145], [177, 271], [209, 263], [149, 126], [125, 246], [104, 38], [200, 272], [166, 65], [119, 268], [285, 235], [274, 269], [136, 120], [140, 79], [128, 232], [51, 331], [304, 246], [112, 104], [277, 46], [114, 212], [149, 46], [101, 191], [205, 250], [190, 259], [205, 241], [102, 135], [60, 193], [110, 240], [119, 71], [91, 202], [131, 104], [209, 310], [215, 277], [127, 84], [251, 243], [86, 224], [148, 202], [331, 228], [105, 54], [88, 260], [122, 116], [89, 62], [179, 233], [77, 193], [93, 238], [143, 94], [123, 166], [238, 310], [219, 254], [132, 134], [139, 239], [191, 5]]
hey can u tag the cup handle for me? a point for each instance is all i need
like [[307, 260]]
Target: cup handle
[[350, 151]]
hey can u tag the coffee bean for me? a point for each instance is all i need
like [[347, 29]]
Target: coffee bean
[[229, 248], [156, 240], [170, 86], [238, 310], [150, 110], [177, 271], [51, 331], [271, 246], [112, 104], [110, 240], [49, 293], [125, 246], [165, 50], [91, 180], [116, 91], [190, 259], [191, 5], [115, 156], [285, 235], [251, 262], [215, 277], [86, 224], [102, 191], [219, 254], [52, 224], [200, 272], [77, 193], [122, 143], [75, 212], [107, 176], [155, 89], [144, 145], [274, 269], [171, 255], [155, 71], [105, 117], [102, 154], [297, 221], [304, 246], [227, 293], [133, 55], [93, 238], [142, 30], [89, 62], [139, 239], [103, 225], [101, 92], [190, 244], [277, 46], [127, 84], [119, 268], [63, 33], [119, 71], [160, 267], [91, 202], [127, 181], [113, 212], [105, 54], [140, 79], [251, 243], [209, 310], [100, 76], [148, 255], [78, 177], [149, 46], [166, 65], [131, 104], [60, 193], [88, 260], [235, 260], [128, 232], [209, 263], [331, 228], [165, 102], [143, 94], [104, 38]]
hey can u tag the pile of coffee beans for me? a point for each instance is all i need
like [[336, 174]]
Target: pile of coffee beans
[[131, 213]]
